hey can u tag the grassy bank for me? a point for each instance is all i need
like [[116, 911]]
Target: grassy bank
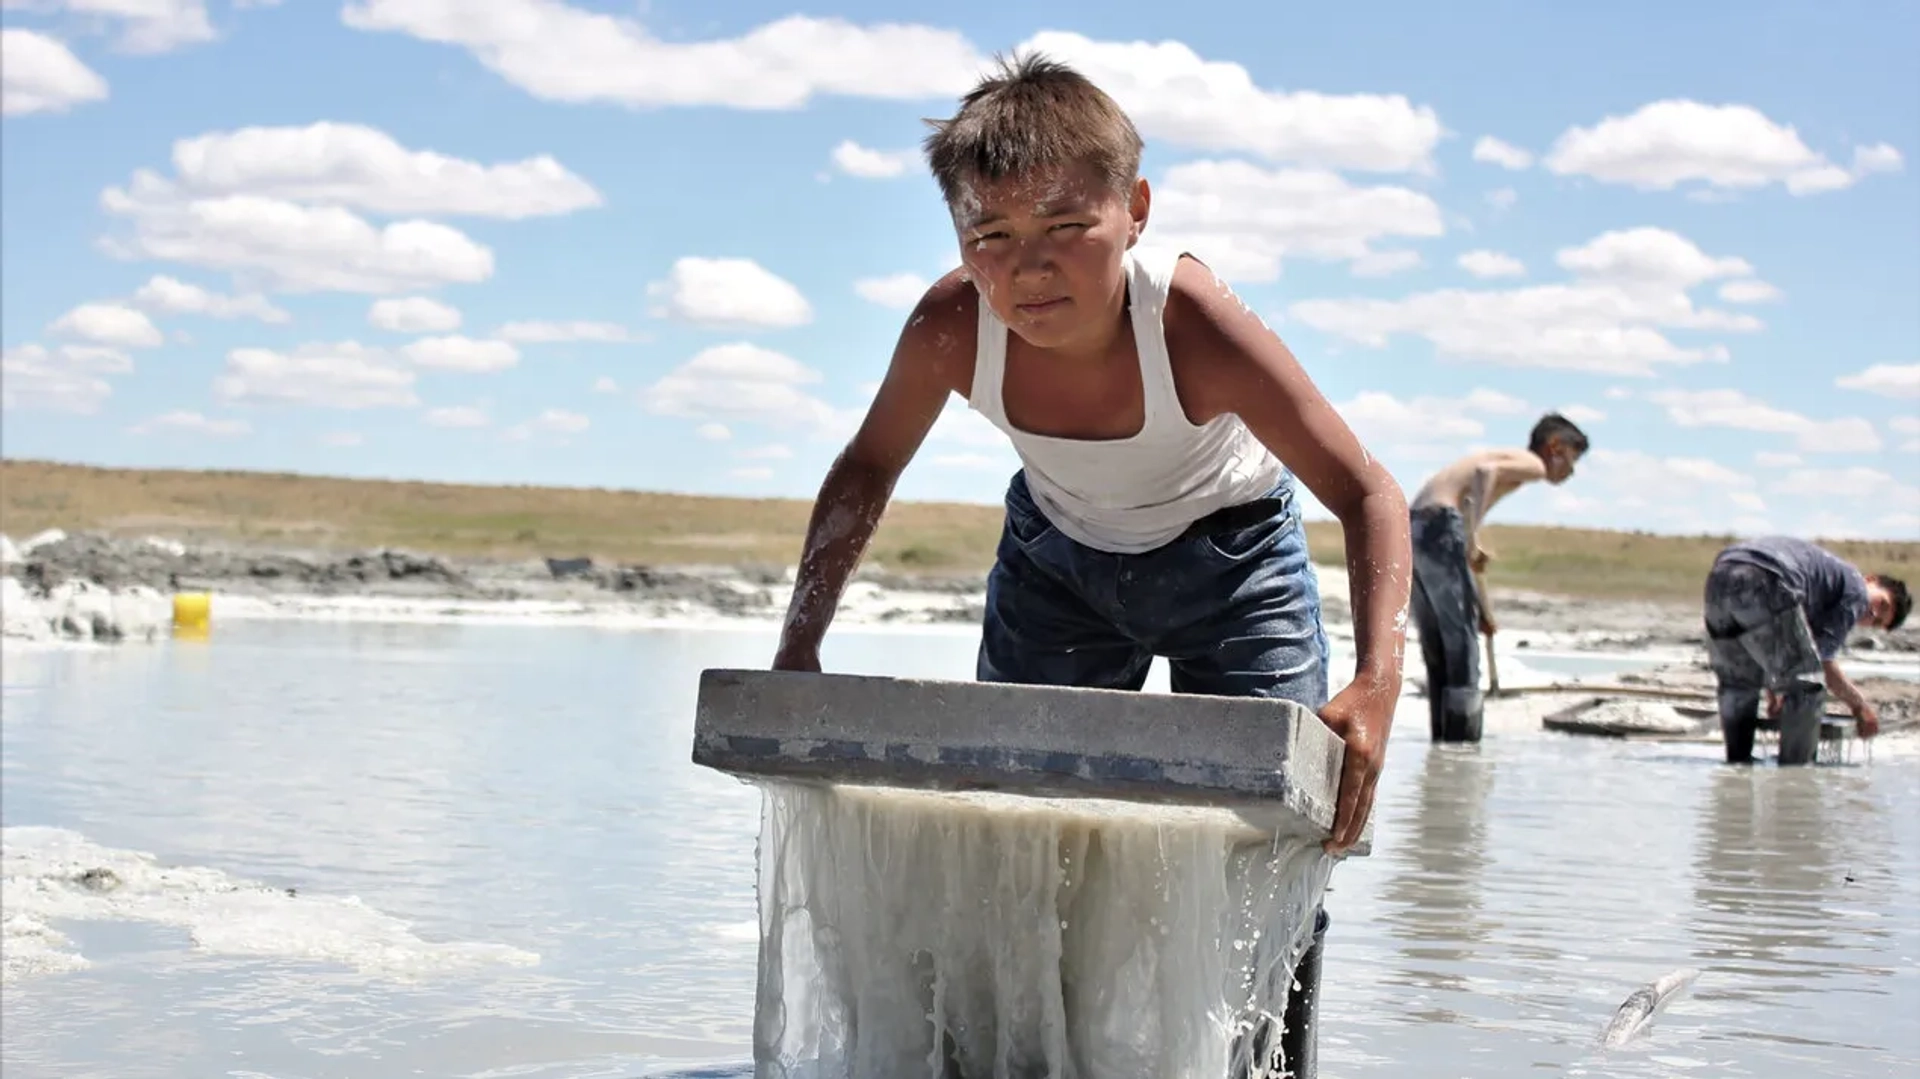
[[637, 526]]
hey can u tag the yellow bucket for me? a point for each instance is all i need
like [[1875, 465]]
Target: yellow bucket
[[192, 611]]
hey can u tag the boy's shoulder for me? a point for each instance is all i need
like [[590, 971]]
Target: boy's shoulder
[[1516, 462], [943, 328], [1211, 335]]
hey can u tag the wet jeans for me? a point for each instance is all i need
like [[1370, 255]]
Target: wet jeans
[[1758, 639], [1232, 604], [1446, 611]]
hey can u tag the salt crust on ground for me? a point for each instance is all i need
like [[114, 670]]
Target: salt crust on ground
[[52, 875], [1078, 939]]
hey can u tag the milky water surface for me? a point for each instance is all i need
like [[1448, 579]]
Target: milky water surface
[[502, 864]]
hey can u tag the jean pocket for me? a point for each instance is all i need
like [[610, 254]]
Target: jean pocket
[[1239, 544], [1026, 525]]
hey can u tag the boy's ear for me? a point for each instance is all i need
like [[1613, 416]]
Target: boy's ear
[[1138, 208]]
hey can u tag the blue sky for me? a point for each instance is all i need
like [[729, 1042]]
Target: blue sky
[[642, 246]]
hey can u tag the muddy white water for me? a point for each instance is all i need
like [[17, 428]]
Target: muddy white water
[[503, 865]]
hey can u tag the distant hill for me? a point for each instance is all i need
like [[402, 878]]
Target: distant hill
[[285, 510]]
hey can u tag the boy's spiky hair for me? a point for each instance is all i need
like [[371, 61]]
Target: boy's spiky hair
[[1902, 599], [1032, 113], [1554, 425]]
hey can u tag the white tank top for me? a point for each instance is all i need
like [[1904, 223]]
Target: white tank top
[[1132, 494]]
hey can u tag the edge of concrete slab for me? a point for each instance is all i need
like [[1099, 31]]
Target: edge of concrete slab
[[1273, 760]]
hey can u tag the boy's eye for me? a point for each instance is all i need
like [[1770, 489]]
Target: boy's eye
[[1069, 225]]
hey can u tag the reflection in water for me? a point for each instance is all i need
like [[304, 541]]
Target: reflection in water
[[1764, 873], [1782, 853], [1433, 895], [532, 787], [1795, 869]]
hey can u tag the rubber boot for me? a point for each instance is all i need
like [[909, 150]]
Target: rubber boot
[[1801, 707], [1460, 713], [1739, 716], [1299, 1039]]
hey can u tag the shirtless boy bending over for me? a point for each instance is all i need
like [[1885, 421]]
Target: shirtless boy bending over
[[1447, 553]]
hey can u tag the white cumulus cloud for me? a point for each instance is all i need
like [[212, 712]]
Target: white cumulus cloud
[[856, 160], [898, 291], [560, 52], [1248, 220], [68, 378], [138, 26], [172, 296], [39, 73], [1628, 286], [1486, 264], [455, 416], [1749, 291], [1381, 419], [1890, 379], [455, 352], [111, 324], [413, 314], [1384, 263], [289, 247], [1672, 142], [744, 383], [1908, 429], [345, 375], [1740, 411], [733, 292], [538, 333], [1175, 95], [1504, 154], [364, 168], [552, 421], [192, 423]]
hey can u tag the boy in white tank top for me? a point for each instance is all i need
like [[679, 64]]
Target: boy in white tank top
[[1160, 424]]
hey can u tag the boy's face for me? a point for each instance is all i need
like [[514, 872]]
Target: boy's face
[[1879, 606], [1045, 250], [1560, 461]]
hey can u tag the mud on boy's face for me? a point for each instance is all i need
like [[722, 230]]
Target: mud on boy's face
[[1044, 250]]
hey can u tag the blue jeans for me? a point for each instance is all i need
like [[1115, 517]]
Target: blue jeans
[[1446, 611], [1232, 604]]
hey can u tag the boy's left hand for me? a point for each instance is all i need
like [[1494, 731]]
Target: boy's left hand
[[1361, 715]]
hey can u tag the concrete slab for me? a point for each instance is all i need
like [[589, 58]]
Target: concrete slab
[[1274, 762]]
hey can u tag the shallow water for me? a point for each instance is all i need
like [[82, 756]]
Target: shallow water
[[547, 888]]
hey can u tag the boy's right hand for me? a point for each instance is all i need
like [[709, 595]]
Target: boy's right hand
[[1867, 719], [1486, 624], [1479, 559]]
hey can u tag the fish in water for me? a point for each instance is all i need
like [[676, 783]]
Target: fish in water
[[1637, 1011]]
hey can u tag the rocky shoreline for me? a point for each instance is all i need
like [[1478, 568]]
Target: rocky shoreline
[[44, 563]]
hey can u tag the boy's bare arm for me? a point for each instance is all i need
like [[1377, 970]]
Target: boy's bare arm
[[925, 368], [1843, 688], [1243, 368]]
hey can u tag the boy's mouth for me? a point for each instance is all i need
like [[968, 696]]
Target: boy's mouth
[[1034, 307]]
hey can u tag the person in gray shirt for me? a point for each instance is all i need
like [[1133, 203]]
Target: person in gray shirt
[[1778, 610]]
